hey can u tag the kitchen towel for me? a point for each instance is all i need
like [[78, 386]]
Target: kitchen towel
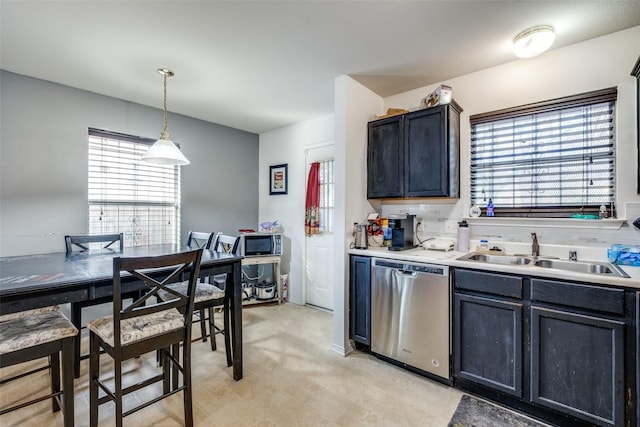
[[472, 412], [312, 211]]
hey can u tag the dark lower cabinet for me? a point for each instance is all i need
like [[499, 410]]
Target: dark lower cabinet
[[488, 342], [360, 299], [637, 376], [577, 365], [564, 351]]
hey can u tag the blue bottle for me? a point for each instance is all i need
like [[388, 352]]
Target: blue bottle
[[490, 208]]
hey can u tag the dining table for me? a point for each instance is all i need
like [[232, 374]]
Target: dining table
[[40, 280]]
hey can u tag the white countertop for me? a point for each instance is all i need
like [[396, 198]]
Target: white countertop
[[450, 258]]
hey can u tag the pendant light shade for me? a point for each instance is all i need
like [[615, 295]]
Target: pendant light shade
[[164, 151], [533, 41]]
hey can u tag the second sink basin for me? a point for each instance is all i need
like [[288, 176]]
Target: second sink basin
[[580, 267]]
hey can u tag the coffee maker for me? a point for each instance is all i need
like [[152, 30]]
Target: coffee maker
[[401, 232]]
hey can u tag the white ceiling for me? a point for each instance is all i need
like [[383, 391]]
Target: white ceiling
[[261, 65]]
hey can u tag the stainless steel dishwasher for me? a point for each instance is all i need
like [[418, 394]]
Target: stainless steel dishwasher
[[410, 319]]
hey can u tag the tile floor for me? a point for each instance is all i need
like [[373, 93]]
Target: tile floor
[[291, 378]]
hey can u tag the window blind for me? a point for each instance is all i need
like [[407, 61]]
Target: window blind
[[548, 159], [129, 196]]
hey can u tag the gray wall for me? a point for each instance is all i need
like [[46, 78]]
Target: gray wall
[[43, 157]]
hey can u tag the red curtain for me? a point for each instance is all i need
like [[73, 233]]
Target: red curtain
[[312, 212]]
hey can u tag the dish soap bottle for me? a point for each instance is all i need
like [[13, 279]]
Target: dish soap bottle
[[490, 208]]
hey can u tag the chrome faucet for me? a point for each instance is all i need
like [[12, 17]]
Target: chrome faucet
[[535, 248]]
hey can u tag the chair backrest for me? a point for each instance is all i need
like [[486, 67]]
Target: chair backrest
[[198, 239], [226, 244], [82, 241], [172, 268]]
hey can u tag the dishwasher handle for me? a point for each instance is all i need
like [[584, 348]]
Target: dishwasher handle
[[406, 273]]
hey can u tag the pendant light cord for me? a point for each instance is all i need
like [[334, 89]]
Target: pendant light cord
[[165, 131]]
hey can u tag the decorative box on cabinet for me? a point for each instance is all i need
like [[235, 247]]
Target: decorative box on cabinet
[[415, 154]]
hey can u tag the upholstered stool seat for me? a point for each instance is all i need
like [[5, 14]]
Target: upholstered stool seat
[[35, 334], [204, 291], [10, 316], [138, 328], [33, 328]]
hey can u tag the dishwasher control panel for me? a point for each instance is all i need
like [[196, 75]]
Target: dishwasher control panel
[[440, 270]]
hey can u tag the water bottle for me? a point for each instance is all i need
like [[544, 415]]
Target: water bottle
[[463, 236]]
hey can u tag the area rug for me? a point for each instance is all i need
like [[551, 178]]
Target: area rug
[[472, 412]]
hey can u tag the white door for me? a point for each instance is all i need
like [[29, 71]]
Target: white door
[[318, 259]]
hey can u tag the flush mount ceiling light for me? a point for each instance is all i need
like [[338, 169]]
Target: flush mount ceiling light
[[533, 41], [164, 151]]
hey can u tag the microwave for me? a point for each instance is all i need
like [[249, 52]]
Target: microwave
[[260, 244]]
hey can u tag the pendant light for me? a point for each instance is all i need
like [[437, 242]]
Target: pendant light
[[533, 41], [164, 151]]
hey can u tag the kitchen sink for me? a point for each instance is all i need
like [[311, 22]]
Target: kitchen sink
[[598, 268], [498, 259], [582, 267]]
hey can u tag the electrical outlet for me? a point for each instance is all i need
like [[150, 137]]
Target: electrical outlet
[[450, 227]]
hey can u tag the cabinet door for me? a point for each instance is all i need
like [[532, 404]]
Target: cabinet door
[[577, 365], [426, 153], [360, 299], [385, 158], [488, 342]]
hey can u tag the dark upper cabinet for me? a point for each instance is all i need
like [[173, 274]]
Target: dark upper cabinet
[[385, 157], [360, 299], [415, 154]]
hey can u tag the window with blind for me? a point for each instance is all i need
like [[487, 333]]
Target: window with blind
[[550, 159], [126, 195], [327, 195]]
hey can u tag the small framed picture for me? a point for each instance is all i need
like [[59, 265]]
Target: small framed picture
[[278, 179]]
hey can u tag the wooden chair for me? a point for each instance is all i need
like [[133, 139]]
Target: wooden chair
[[82, 242], [208, 296], [197, 239], [35, 334], [146, 325]]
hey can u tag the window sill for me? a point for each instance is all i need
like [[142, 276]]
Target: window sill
[[605, 224]]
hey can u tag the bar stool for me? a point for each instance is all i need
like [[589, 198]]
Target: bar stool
[[146, 325], [34, 334], [209, 296]]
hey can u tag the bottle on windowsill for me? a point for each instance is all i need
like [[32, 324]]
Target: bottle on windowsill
[[490, 208]]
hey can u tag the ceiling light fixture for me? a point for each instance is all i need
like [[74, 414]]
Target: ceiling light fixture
[[533, 41], [164, 151]]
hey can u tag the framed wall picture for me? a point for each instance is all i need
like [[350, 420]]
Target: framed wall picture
[[278, 179]]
